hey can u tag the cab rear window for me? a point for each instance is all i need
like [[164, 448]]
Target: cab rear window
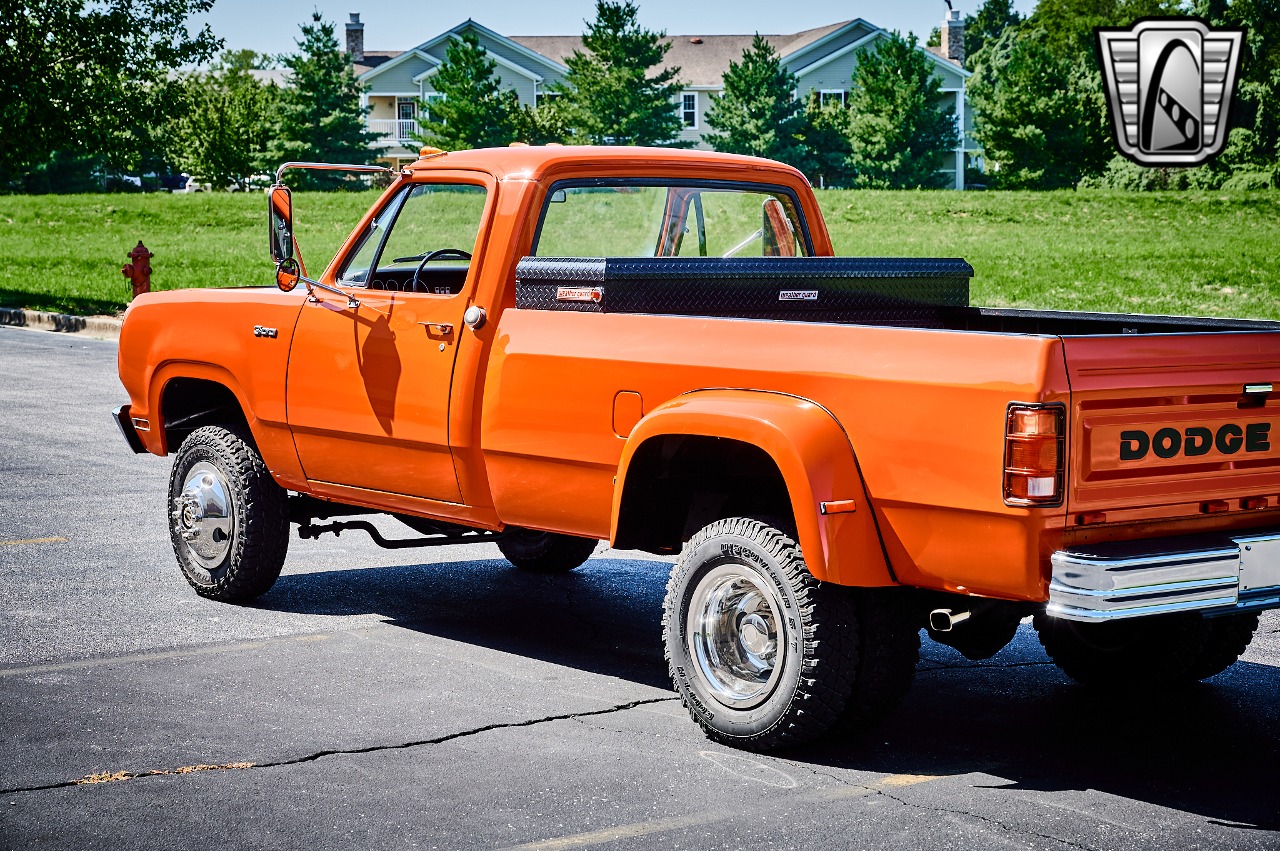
[[626, 219]]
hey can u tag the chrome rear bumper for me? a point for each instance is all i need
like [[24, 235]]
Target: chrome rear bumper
[[1139, 578]]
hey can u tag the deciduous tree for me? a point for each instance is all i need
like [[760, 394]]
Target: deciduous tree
[[221, 134], [91, 77]]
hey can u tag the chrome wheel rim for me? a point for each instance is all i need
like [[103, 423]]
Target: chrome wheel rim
[[736, 635], [204, 516]]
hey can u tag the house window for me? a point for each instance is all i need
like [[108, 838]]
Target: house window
[[839, 96], [406, 109], [689, 109], [428, 101]]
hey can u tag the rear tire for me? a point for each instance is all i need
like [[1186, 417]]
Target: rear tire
[[228, 519], [1143, 652], [762, 653], [544, 552], [1229, 636]]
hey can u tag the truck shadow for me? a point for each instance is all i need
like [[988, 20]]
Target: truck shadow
[[1015, 721]]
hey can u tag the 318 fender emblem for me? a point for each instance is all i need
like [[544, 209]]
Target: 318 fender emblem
[[264, 331]]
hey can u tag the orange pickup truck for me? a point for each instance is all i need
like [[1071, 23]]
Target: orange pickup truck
[[547, 347]]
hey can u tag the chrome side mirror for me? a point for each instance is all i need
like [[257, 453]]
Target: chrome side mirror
[[280, 205]]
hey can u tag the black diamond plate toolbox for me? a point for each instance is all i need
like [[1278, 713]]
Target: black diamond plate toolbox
[[880, 290]]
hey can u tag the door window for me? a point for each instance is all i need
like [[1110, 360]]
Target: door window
[[428, 241]]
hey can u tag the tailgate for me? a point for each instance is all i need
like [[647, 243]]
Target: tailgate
[[1162, 425]]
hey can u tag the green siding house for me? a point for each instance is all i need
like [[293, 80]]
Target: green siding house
[[398, 86]]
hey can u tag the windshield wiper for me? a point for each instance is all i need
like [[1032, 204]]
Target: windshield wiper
[[412, 259]]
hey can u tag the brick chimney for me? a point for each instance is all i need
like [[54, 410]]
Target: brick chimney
[[355, 38], [952, 36]]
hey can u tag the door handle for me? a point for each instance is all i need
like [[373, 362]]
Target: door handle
[[444, 329]]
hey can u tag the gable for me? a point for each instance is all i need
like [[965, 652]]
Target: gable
[[833, 70], [396, 77], [832, 42]]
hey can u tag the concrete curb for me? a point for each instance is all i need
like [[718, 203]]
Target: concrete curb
[[102, 327]]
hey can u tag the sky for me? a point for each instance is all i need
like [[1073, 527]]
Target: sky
[[271, 26]]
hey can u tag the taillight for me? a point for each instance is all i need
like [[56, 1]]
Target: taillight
[[1034, 454]]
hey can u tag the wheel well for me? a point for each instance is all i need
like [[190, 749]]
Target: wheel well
[[678, 483], [189, 403]]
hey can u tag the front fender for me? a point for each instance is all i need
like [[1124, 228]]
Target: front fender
[[814, 456]]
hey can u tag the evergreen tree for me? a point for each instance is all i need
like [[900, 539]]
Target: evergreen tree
[[223, 130], [825, 138], [992, 19], [898, 131], [319, 117], [758, 113], [1040, 116], [612, 95], [475, 112]]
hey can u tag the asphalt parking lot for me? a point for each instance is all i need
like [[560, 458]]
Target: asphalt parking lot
[[441, 699]]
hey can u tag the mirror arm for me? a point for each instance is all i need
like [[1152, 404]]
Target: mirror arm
[[332, 167], [352, 302], [313, 285]]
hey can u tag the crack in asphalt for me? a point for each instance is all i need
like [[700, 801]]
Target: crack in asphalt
[[881, 790], [987, 819], [119, 776]]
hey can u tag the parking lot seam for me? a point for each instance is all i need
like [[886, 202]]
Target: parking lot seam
[[120, 776]]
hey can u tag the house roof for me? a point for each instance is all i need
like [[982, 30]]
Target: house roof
[[937, 51], [702, 59], [374, 58]]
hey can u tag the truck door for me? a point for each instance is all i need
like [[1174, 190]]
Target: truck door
[[368, 385]]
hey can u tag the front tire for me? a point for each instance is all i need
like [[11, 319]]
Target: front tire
[[544, 552], [228, 519], [761, 653]]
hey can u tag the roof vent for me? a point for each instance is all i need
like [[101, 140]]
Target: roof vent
[[695, 40]]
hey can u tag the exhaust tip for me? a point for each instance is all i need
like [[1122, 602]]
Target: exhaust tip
[[944, 620]]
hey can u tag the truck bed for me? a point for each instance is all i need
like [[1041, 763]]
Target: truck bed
[[901, 292]]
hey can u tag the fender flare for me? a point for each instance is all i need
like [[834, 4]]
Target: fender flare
[[812, 452], [156, 441]]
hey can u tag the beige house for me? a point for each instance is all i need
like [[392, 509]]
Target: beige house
[[398, 83]]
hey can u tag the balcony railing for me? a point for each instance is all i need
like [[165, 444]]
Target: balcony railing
[[394, 130]]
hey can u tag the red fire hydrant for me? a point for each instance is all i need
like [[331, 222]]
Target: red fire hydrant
[[139, 271]]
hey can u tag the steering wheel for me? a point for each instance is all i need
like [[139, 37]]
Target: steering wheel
[[452, 253]]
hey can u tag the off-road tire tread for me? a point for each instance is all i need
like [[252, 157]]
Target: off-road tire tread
[[560, 554], [262, 522], [1229, 637], [1156, 652], [829, 629], [889, 636]]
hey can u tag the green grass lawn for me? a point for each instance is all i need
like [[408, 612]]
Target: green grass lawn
[[1208, 254]]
